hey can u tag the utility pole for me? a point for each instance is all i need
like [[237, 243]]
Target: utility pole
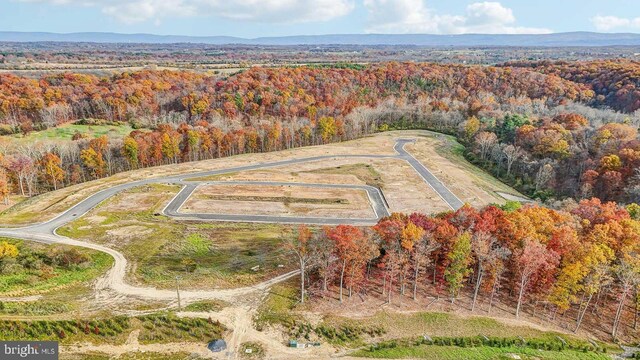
[[178, 292]]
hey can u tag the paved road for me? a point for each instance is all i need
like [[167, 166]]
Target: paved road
[[374, 194], [447, 196], [45, 232]]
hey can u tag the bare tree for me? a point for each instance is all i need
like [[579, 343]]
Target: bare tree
[[299, 245], [511, 155], [485, 141], [628, 274], [544, 174], [421, 259], [486, 250]]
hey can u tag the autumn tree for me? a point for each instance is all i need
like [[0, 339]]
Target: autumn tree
[[345, 238], [4, 187], [598, 275], [530, 259], [53, 172], [130, 151], [7, 251], [459, 259]]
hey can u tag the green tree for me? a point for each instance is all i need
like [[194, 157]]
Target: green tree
[[459, 259], [506, 129]]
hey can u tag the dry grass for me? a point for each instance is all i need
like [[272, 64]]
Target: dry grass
[[441, 154], [279, 200]]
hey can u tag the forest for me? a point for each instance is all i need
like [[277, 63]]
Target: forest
[[563, 133], [524, 126], [581, 260]]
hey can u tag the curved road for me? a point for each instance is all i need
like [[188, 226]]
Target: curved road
[[115, 278]]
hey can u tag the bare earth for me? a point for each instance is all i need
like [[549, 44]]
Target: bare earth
[[278, 200]]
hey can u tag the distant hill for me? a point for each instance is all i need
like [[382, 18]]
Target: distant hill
[[551, 40]]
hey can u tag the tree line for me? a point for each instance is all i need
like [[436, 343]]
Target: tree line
[[614, 81], [151, 97], [524, 127], [582, 260]]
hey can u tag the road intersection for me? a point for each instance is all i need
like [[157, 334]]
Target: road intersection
[[45, 232]]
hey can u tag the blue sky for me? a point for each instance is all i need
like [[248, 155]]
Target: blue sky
[[254, 18]]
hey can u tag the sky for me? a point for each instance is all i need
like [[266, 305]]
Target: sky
[[256, 18]]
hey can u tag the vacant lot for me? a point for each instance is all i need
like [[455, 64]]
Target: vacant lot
[[403, 188], [279, 200], [48, 205], [159, 249], [399, 181], [443, 155]]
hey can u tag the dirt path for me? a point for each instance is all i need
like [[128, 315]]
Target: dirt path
[[111, 288], [113, 281]]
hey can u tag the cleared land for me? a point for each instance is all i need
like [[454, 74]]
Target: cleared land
[[469, 182], [218, 255], [443, 155], [206, 256], [279, 200], [47, 206]]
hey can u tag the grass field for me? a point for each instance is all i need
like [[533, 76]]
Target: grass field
[[205, 255], [434, 352], [206, 306], [38, 278], [65, 133], [365, 172]]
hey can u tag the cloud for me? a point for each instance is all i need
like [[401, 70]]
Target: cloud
[[414, 16], [610, 23], [268, 11]]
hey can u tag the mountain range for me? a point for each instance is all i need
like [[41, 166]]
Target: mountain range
[[465, 40]]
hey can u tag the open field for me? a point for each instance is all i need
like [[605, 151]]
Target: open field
[[66, 132], [279, 200], [204, 255], [29, 274]]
